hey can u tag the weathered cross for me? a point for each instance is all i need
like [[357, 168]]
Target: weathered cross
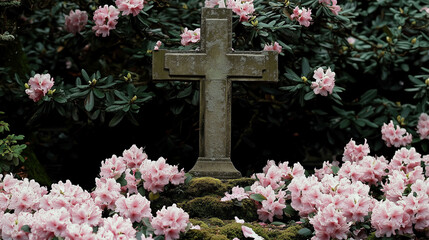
[[216, 65]]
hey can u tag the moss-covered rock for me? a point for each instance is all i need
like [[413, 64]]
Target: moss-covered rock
[[290, 233], [242, 182], [199, 223], [202, 234], [211, 206], [218, 237], [232, 230], [203, 186], [214, 221]]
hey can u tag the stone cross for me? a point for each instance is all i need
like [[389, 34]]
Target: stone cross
[[216, 65]]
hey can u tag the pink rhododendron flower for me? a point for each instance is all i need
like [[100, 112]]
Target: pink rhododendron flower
[[117, 227], [332, 4], [135, 207], [47, 224], [86, 213], [325, 81], [238, 220], [157, 174], [80, 231], [243, 8], [105, 19], [39, 85], [170, 222], [157, 45], [134, 156], [273, 47], [387, 218], [405, 160], [76, 21], [355, 153], [325, 170], [189, 36], [214, 3], [131, 181], [303, 16], [351, 40], [249, 233], [128, 7], [423, 126], [330, 223], [112, 167], [355, 207], [11, 224], [238, 193], [426, 9], [305, 193], [417, 207], [395, 137], [107, 191], [395, 186]]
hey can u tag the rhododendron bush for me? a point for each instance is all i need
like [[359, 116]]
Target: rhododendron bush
[[364, 196], [30, 211]]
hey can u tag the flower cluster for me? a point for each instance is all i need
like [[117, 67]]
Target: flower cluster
[[105, 19], [339, 203], [38, 86], [395, 137], [325, 81], [243, 8], [423, 126], [355, 153], [332, 5], [76, 21], [128, 7], [157, 174], [157, 45], [29, 211], [273, 47], [170, 222], [189, 36], [303, 16]]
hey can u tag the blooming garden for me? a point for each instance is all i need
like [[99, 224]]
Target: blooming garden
[[347, 125]]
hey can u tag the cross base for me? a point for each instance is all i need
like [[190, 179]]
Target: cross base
[[220, 168]]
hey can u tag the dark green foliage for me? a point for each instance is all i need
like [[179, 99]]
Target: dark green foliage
[[380, 77]]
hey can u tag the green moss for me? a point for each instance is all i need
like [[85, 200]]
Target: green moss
[[232, 230], [290, 233], [211, 206], [197, 234], [242, 182], [218, 237], [199, 223], [214, 221], [203, 186]]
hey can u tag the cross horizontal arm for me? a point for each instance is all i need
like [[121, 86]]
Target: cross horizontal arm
[[177, 66]]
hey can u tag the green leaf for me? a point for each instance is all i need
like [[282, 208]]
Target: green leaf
[[186, 92], [290, 74], [277, 223], [60, 99], [305, 67], [289, 211], [258, 197], [89, 101], [85, 76], [335, 169], [309, 96], [121, 180], [26, 228], [305, 232], [115, 108], [116, 119]]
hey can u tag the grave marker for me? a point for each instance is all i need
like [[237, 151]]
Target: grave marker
[[216, 65]]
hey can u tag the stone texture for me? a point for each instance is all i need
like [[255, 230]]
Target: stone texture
[[216, 65]]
